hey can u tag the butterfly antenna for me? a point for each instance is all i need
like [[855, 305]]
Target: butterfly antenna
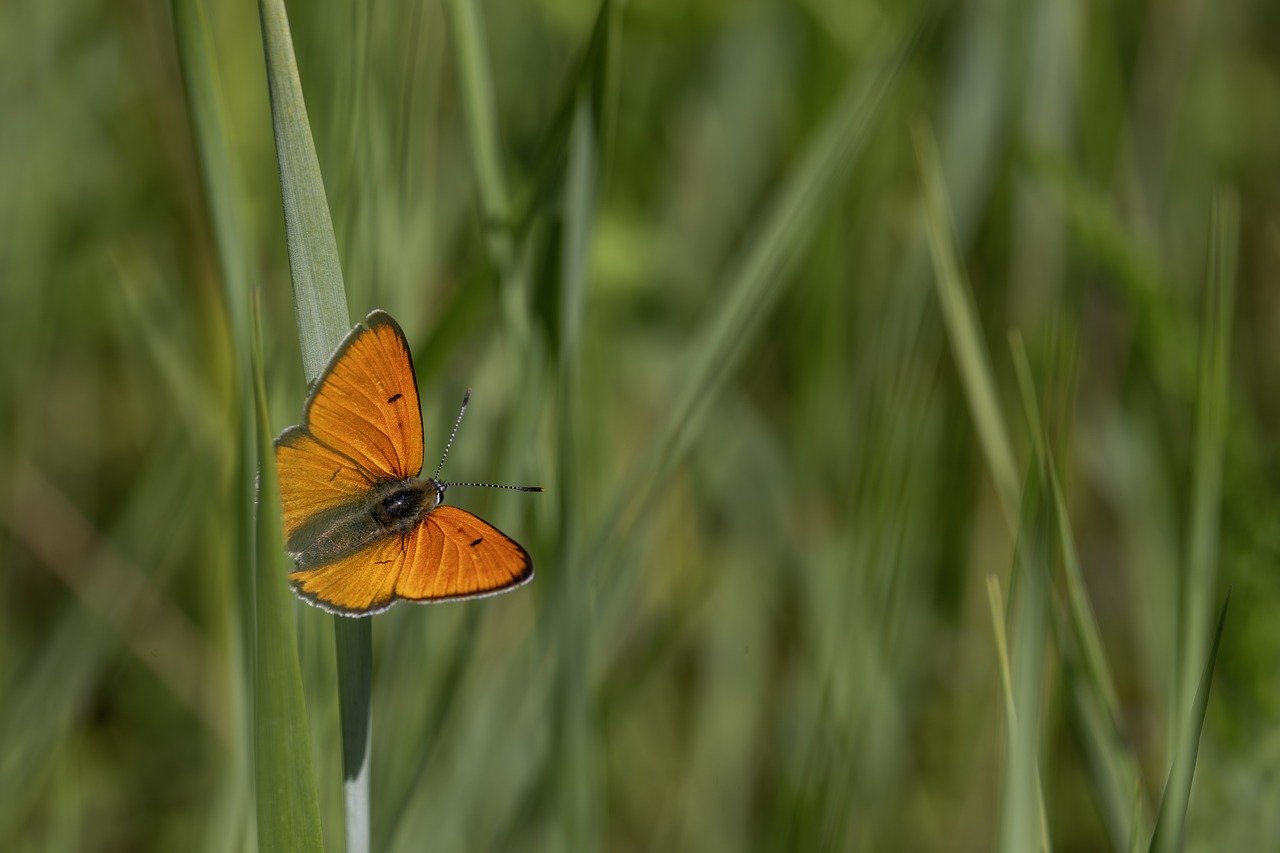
[[466, 398], [495, 486]]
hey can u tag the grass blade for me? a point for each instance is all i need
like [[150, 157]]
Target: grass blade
[[491, 183], [1023, 824], [318, 294], [1198, 583], [963, 329], [218, 177], [482, 126], [572, 736], [1210, 446], [288, 808], [1089, 679], [323, 320], [204, 99], [1171, 824]]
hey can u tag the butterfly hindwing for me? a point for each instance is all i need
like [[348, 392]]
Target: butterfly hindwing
[[454, 554], [358, 584], [365, 404]]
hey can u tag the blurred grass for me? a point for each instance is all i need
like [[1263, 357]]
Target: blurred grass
[[678, 251]]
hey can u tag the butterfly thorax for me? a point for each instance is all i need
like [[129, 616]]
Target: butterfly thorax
[[398, 506]]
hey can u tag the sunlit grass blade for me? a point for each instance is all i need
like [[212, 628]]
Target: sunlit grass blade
[[323, 320], [963, 330], [288, 808], [319, 297], [1170, 831]]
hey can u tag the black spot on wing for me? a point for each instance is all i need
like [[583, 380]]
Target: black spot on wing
[[394, 397], [477, 541]]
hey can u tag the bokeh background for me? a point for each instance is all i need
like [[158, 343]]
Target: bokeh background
[[762, 617]]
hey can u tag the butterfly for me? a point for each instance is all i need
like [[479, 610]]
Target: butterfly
[[363, 526]]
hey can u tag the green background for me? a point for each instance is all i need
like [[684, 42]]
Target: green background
[[719, 338]]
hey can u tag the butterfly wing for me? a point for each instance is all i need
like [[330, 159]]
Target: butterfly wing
[[365, 404], [359, 584], [314, 480], [454, 554]]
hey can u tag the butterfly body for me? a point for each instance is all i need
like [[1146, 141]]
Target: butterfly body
[[362, 525], [392, 508]]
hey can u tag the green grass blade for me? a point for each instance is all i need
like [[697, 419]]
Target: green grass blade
[[288, 808], [218, 177], [574, 766], [478, 99], [1084, 622], [1023, 823], [323, 321], [318, 294], [1089, 679], [1210, 446], [204, 99], [995, 603], [353, 642], [482, 126], [1199, 580], [596, 67], [1170, 832], [963, 330]]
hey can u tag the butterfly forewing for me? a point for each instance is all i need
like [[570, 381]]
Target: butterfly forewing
[[314, 479], [365, 405]]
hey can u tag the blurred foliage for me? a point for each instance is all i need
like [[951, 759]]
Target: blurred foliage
[[775, 552]]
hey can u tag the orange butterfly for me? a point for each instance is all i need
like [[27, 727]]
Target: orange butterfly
[[363, 526]]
